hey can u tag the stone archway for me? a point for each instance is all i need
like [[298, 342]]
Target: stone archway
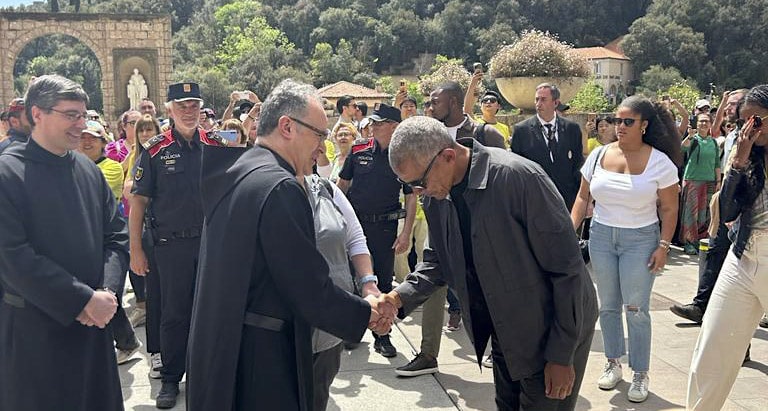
[[113, 38]]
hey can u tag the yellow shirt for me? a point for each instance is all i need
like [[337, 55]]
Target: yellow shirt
[[501, 127], [592, 144], [113, 173]]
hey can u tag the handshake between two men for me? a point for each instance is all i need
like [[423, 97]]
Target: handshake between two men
[[383, 311]]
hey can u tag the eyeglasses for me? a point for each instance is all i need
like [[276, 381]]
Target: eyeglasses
[[130, 123], [420, 183], [321, 134], [618, 120], [87, 136], [489, 100], [71, 115]]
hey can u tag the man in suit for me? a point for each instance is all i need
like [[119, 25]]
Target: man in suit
[[553, 142]]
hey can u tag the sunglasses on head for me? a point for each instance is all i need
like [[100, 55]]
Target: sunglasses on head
[[618, 120], [489, 100]]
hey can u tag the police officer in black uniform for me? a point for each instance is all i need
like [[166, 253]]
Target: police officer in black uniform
[[167, 180], [374, 191]]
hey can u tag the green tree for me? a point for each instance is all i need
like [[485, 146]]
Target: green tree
[[590, 98], [658, 78], [329, 67], [684, 92], [63, 55]]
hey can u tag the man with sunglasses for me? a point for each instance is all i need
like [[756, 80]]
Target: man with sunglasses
[[167, 180], [63, 251], [553, 142], [18, 125], [501, 238], [374, 191]]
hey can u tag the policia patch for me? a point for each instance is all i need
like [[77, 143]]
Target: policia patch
[[139, 174]]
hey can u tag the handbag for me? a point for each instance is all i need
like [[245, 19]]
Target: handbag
[[583, 242]]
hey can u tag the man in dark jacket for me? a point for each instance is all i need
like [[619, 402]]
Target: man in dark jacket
[[63, 251], [553, 142], [500, 236], [262, 284]]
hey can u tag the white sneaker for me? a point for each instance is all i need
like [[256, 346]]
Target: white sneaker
[[611, 376], [155, 363], [488, 362], [123, 356], [638, 391]]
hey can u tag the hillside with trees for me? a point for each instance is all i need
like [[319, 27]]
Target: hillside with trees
[[251, 44]]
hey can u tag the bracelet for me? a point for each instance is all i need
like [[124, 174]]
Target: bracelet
[[664, 244], [252, 117], [368, 279]]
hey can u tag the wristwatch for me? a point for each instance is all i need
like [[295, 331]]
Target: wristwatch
[[368, 279]]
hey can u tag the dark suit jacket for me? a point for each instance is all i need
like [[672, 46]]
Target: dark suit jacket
[[528, 141], [526, 255]]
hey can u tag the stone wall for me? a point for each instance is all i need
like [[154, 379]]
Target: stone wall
[[103, 34]]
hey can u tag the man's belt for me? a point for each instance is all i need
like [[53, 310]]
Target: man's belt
[[13, 300], [376, 218], [193, 232], [264, 321]]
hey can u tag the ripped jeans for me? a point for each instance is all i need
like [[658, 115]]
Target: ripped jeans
[[620, 261]]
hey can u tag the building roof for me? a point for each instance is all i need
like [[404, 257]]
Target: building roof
[[593, 53], [615, 45], [343, 88]]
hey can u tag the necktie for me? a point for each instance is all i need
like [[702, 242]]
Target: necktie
[[551, 142]]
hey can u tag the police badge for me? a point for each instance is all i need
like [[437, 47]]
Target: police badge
[[139, 174]]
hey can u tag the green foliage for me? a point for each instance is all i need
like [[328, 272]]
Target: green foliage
[[684, 92], [658, 78], [63, 55], [329, 67], [590, 98]]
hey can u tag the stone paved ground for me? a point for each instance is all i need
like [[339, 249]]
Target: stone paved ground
[[367, 381]]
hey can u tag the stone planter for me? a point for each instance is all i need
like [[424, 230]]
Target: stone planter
[[521, 91]]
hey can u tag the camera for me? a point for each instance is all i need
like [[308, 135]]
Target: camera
[[478, 67], [403, 85], [757, 121]]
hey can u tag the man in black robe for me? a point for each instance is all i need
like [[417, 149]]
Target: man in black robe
[[262, 284], [63, 247]]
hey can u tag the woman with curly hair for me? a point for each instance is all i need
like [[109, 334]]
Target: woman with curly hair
[[740, 296], [634, 183]]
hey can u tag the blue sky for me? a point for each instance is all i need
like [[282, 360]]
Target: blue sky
[[6, 3]]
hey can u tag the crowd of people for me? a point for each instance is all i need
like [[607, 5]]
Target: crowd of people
[[233, 230]]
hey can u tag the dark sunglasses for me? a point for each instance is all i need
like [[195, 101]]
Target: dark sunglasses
[[489, 100], [618, 120], [420, 183]]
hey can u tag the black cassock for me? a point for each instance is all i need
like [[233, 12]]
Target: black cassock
[[60, 238], [261, 286]]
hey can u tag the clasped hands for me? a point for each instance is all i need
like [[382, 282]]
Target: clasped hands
[[383, 312], [99, 310]]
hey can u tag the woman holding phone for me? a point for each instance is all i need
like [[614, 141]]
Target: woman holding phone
[[740, 296]]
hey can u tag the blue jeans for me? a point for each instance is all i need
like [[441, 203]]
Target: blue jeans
[[620, 261]]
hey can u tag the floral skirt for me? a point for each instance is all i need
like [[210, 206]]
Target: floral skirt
[[694, 213]]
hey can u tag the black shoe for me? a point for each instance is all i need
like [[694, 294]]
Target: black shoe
[[420, 365], [167, 396], [383, 346], [746, 356], [690, 312]]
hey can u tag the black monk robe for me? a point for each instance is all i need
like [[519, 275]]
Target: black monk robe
[[60, 238], [262, 285]]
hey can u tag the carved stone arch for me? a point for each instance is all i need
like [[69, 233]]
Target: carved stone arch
[[113, 38], [26, 37]]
